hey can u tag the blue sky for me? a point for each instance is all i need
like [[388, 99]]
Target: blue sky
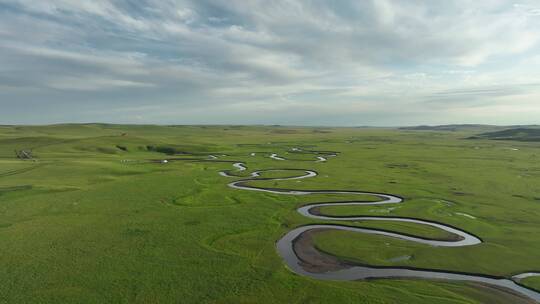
[[379, 62]]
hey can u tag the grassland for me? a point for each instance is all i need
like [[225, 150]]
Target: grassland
[[90, 220]]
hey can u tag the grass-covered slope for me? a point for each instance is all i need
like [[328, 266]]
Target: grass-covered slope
[[90, 220], [518, 134]]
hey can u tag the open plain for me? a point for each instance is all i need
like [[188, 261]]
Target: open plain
[[146, 214]]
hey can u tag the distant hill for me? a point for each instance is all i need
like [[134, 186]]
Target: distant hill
[[519, 134], [451, 128]]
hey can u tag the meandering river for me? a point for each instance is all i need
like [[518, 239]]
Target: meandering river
[[286, 245]]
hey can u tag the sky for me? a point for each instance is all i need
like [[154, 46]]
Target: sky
[[339, 63]]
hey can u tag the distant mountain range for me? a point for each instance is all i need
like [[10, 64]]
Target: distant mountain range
[[461, 127], [519, 134]]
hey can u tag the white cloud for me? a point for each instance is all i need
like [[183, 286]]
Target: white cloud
[[93, 83], [364, 58]]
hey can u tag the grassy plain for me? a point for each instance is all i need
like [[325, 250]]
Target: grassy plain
[[90, 220]]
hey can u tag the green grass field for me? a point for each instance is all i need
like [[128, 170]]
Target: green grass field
[[90, 220]]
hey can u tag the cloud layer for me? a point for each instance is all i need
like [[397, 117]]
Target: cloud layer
[[378, 62]]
